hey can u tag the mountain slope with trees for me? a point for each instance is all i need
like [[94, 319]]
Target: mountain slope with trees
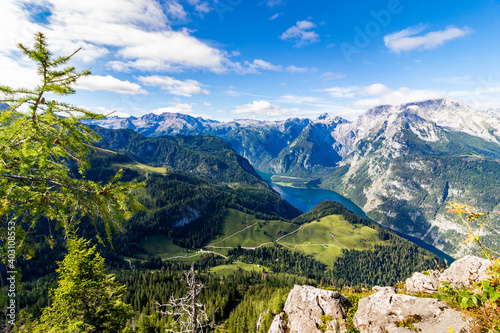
[[400, 164]]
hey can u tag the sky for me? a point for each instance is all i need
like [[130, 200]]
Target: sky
[[262, 59]]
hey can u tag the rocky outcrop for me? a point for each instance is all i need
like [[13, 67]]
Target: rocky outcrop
[[306, 305], [425, 283], [462, 273], [465, 272], [279, 324], [386, 311]]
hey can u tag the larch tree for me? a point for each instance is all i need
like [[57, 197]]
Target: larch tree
[[40, 140]]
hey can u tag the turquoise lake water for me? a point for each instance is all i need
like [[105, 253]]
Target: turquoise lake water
[[307, 199]]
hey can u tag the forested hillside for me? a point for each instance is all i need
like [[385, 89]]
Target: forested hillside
[[186, 212]]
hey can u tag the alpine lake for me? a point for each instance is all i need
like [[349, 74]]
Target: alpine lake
[[307, 198]]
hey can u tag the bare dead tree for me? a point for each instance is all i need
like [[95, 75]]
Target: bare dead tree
[[191, 315]]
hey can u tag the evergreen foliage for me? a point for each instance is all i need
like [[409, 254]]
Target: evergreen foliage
[[87, 299], [39, 138]]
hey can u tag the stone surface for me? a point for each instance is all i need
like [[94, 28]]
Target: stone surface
[[419, 282], [465, 272], [461, 273], [278, 325], [385, 311], [305, 305], [377, 289]]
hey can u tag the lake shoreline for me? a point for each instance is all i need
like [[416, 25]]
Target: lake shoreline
[[307, 198]]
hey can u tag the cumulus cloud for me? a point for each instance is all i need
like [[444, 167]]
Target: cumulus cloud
[[407, 40], [184, 108], [17, 73], [402, 95], [301, 33], [109, 83], [134, 34], [176, 87], [379, 94], [262, 108], [176, 10]]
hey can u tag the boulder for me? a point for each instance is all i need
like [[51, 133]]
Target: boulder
[[279, 324], [465, 272], [305, 305], [377, 289], [389, 312], [461, 273], [425, 283]]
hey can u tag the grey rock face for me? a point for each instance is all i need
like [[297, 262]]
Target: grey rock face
[[278, 325], [385, 311], [305, 305], [462, 273], [419, 282], [378, 289], [465, 272]]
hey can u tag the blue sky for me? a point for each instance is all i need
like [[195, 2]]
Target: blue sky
[[264, 59]]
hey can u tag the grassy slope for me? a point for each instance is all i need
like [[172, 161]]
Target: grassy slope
[[229, 269], [141, 167], [315, 238], [258, 232]]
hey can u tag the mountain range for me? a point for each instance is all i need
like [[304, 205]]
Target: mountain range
[[400, 164]]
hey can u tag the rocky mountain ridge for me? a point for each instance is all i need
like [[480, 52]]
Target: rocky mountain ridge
[[400, 164]]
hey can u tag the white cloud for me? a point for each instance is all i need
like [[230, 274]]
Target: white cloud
[[272, 3], [109, 83], [301, 33], [175, 10], [232, 93], [295, 69], [262, 108], [259, 64], [274, 17], [466, 79], [135, 34], [202, 7], [332, 76], [18, 74], [178, 108], [486, 95], [401, 96], [374, 89], [405, 40], [341, 92], [299, 99], [381, 95], [111, 113], [177, 87]]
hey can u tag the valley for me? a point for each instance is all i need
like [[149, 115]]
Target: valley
[[267, 166], [401, 165]]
